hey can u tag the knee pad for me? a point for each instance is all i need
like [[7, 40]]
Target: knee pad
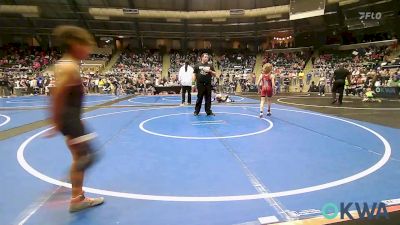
[[88, 158]]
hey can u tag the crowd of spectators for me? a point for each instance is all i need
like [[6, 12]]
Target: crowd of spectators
[[288, 67], [139, 71], [26, 59], [362, 57], [34, 84], [237, 61], [137, 62], [287, 61], [102, 57], [236, 69], [178, 58], [115, 84], [21, 68], [229, 84], [365, 66]]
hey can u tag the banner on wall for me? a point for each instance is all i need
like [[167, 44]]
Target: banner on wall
[[387, 92]]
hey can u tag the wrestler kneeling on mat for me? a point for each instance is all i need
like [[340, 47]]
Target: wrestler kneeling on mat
[[222, 98], [266, 84], [67, 98]]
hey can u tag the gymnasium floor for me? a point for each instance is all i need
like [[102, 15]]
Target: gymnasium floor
[[162, 165]]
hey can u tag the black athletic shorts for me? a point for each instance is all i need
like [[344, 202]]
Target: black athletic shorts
[[72, 128]]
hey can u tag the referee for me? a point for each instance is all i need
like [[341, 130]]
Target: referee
[[338, 78], [203, 73]]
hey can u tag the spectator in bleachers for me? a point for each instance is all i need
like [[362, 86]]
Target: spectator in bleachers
[[4, 83], [178, 58], [321, 85], [313, 87]]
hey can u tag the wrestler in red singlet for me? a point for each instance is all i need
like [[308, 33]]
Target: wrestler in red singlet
[[266, 85]]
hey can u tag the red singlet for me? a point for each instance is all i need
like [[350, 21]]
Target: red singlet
[[266, 85]]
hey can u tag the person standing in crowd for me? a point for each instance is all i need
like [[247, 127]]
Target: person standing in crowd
[[96, 84], [66, 110], [309, 77], [321, 85], [301, 77], [338, 78], [203, 73], [185, 78], [3, 86], [33, 86], [116, 85], [286, 83]]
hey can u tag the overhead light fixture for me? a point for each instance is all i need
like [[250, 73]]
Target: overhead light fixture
[[101, 17], [273, 16], [236, 12], [174, 20], [329, 13], [347, 2], [21, 9], [30, 15], [216, 20]]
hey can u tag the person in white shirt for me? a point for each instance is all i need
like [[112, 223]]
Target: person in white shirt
[[33, 86], [96, 85], [158, 81], [185, 79]]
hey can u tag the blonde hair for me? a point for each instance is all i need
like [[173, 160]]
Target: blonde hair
[[67, 35], [267, 68]]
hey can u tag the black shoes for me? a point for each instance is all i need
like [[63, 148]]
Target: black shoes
[[335, 101], [195, 114]]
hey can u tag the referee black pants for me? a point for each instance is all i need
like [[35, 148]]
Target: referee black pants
[[203, 91], [338, 87]]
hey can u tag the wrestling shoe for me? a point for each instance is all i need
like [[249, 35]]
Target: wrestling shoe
[[81, 202]]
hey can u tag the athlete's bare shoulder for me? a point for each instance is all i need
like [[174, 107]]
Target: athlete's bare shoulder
[[66, 66], [66, 71]]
